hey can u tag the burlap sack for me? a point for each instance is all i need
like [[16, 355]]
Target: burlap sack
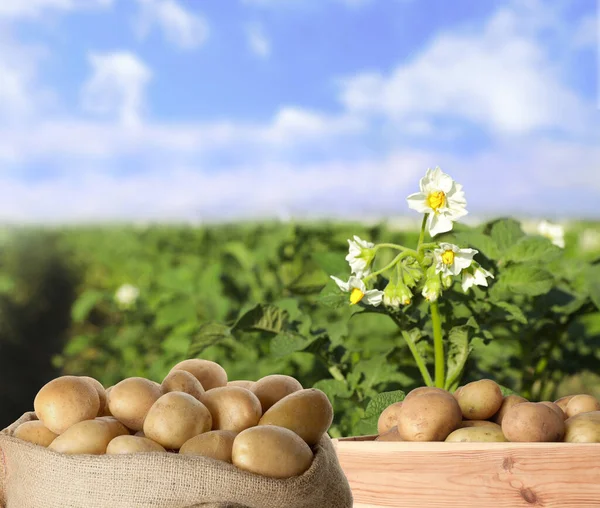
[[35, 477]]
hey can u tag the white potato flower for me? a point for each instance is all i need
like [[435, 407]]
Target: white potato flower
[[440, 197], [554, 232], [127, 295], [450, 259], [475, 277], [360, 256], [359, 292]]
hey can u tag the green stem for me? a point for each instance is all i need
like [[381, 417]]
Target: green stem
[[418, 359], [429, 245], [336, 373], [404, 254], [438, 345], [391, 246], [422, 234]]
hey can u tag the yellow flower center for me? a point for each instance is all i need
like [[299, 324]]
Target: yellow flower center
[[436, 200], [356, 296], [448, 257]]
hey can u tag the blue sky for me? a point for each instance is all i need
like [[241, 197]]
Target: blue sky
[[226, 109]]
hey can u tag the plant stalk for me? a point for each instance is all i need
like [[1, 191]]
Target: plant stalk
[[438, 345]]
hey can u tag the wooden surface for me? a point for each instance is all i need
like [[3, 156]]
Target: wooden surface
[[471, 475]]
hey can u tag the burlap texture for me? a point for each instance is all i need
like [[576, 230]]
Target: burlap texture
[[34, 477]]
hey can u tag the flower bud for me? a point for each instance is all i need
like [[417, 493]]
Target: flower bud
[[447, 281], [433, 285], [396, 294]]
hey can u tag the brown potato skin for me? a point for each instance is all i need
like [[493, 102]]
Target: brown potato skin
[[101, 392], [130, 400], [117, 428], [478, 434], [35, 432], [508, 402], [216, 444], [582, 404], [429, 417], [533, 422], [306, 412], [242, 383], [210, 374], [183, 381], [121, 445], [90, 437], [271, 451], [389, 418], [555, 407], [583, 428], [65, 401], [563, 401], [389, 435], [232, 408], [478, 423], [480, 400], [421, 390], [176, 417], [271, 389]]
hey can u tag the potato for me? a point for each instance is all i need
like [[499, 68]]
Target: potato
[[555, 407], [87, 437], [478, 423], [117, 428], [388, 418], [583, 428], [421, 390], [242, 383], [132, 444], [429, 417], [390, 435], [508, 402], [533, 422], [582, 404], [100, 389], [130, 400], [232, 408], [105, 411], [563, 401], [65, 401], [216, 444], [210, 374], [271, 451], [481, 434], [183, 381], [35, 432], [176, 417], [480, 400], [306, 412], [271, 389]]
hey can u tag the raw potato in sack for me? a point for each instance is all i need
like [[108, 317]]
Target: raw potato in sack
[[32, 476]]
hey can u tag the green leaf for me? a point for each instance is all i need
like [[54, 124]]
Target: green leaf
[[332, 297], [208, 335], [333, 388], [505, 233], [526, 280], [507, 391], [288, 342], [532, 248], [594, 285], [180, 310], [483, 243], [381, 401], [515, 312], [332, 263], [263, 318], [458, 352], [84, 305]]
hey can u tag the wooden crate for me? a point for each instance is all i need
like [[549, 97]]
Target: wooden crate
[[470, 475]]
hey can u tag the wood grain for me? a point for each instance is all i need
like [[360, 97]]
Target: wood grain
[[471, 475]]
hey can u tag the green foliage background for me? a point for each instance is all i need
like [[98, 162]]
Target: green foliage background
[[199, 288]]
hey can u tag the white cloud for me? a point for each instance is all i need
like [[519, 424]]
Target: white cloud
[[116, 87], [257, 40], [499, 78], [35, 8], [180, 26]]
